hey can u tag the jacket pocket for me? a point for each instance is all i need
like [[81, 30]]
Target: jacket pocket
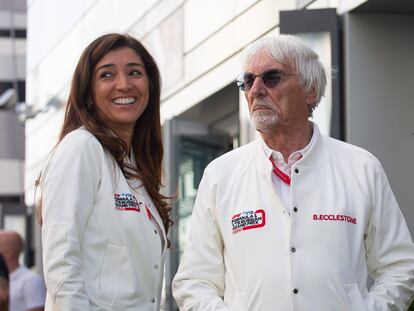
[[109, 278], [238, 302], [356, 302]]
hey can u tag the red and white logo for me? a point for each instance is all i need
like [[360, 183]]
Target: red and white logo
[[248, 220], [126, 202]]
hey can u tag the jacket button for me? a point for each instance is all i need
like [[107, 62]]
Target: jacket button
[[155, 231], [152, 300], [295, 209], [296, 170], [293, 249], [295, 291], [156, 266]]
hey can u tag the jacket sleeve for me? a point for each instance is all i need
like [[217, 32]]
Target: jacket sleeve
[[69, 185], [390, 250], [199, 282]]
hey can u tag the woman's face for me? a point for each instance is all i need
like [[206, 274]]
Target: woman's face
[[120, 88]]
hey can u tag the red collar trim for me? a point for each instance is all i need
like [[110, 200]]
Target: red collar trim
[[283, 177]]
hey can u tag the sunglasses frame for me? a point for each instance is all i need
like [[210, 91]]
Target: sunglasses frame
[[241, 84]]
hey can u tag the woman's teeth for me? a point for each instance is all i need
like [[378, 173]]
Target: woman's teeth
[[123, 101]]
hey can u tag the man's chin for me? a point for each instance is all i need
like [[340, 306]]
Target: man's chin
[[264, 124]]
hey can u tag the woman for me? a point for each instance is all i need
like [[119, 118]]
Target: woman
[[4, 285], [105, 223]]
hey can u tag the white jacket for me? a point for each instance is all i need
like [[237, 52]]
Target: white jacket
[[100, 249], [245, 252]]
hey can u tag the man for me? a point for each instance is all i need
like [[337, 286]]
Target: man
[[294, 220], [27, 289]]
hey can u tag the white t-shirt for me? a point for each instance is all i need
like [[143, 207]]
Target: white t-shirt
[[27, 290]]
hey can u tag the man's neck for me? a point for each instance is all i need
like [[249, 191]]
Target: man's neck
[[288, 140], [13, 266]]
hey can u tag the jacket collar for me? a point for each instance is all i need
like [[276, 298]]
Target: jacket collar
[[138, 187], [312, 159]]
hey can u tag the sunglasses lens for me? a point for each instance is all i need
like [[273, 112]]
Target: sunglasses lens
[[245, 81], [241, 83], [248, 80], [271, 78]]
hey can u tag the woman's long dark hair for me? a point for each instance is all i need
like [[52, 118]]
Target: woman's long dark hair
[[146, 139]]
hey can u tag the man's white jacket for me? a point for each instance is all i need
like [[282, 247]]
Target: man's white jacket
[[100, 249], [245, 252]]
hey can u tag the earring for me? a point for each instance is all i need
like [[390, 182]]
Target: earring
[[89, 104]]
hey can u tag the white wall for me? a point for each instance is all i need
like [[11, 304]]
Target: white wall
[[49, 21], [379, 86], [11, 180], [58, 31], [212, 52], [12, 59], [195, 43], [15, 19]]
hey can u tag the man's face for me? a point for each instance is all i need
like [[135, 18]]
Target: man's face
[[282, 106]]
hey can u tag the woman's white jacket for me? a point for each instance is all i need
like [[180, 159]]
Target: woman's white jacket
[[101, 250], [245, 252]]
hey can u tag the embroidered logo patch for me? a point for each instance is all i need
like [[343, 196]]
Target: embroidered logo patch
[[126, 202], [248, 220]]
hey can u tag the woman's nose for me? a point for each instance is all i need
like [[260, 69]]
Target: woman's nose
[[123, 82]]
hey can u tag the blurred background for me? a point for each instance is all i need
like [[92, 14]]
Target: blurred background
[[197, 44]]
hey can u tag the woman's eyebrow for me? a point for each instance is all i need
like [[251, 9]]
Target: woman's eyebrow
[[110, 65]]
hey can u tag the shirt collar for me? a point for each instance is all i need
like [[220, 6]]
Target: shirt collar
[[13, 275], [313, 158], [295, 156]]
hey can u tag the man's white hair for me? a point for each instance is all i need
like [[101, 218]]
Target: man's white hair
[[290, 51]]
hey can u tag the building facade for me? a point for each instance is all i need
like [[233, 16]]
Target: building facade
[[13, 212], [198, 44]]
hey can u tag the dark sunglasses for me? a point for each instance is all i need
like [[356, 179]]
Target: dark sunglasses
[[270, 78]]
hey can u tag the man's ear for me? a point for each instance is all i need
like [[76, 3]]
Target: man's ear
[[311, 97]]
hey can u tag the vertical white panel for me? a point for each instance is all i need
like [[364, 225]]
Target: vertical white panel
[[379, 108], [165, 44], [321, 43], [11, 178], [5, 19], [48, 22], [202, 18]]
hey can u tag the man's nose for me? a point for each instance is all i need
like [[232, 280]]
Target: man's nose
[[258, 88]]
